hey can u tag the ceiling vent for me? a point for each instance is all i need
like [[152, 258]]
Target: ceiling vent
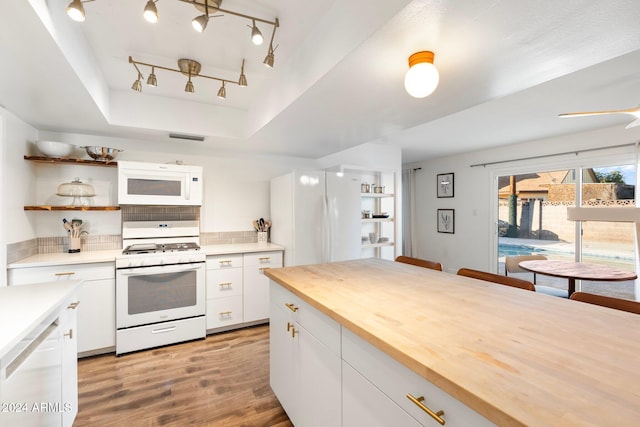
[[187, 137]]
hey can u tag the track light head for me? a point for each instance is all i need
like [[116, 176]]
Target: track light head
[[75, 10], [152, 80], [242, 81], [200, 23], [222, 92], [268, 60], [137, 85], [256, 35], [151, 12], [189, 87]]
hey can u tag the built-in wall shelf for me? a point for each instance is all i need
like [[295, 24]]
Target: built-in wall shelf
[[377, 195], [71, 208], [365, 220], [66, 161]]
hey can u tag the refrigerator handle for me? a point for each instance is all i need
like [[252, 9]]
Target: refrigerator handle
[[327, 231]]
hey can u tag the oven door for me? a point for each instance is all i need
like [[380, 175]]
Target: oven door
[[146, 295]]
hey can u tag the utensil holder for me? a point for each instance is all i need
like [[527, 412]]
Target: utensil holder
[[262, 236], [74, 245]]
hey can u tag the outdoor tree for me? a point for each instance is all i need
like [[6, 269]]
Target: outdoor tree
[[611, 176]]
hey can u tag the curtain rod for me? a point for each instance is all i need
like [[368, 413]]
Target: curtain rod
[[542, 156]]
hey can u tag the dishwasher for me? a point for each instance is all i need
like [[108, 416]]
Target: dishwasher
[[31, 379]]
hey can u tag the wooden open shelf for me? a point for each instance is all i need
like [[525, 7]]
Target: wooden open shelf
[[67, 161], [71, 208]]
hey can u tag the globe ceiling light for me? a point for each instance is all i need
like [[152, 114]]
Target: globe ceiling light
[[422, 77]]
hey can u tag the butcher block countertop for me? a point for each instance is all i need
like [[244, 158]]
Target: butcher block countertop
[[517, 357]]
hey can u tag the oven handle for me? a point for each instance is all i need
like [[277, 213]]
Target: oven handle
[[163, 330], [168, 268]]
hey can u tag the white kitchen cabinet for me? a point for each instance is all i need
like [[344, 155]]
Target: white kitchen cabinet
[[397, 383], [256, 284], [224, 291], [68, 326], [237, 290], [96, 316], [305, 361], [363, 404], [38, 375]]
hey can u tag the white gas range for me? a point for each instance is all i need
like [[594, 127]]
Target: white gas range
[[160, 285]]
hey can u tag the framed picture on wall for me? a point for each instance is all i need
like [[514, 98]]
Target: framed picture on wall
[[446, 221], [445, 185]]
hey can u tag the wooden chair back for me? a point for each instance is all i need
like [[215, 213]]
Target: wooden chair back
[[512, 264], [497, 278], [420, 262], [611, 302]]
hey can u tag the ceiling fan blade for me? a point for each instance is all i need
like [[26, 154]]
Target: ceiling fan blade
[[633, 111]]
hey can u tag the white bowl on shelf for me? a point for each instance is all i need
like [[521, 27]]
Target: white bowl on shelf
[[55, 149]]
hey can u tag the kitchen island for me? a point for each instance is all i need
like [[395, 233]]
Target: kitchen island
[[516, 358]]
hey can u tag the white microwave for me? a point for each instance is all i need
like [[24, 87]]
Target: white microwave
[[141, 183]]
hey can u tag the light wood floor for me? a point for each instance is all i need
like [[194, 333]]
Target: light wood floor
[[222, 380]]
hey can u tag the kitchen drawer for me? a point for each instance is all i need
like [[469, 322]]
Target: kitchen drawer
[[158, 334], [321, 326], [91, 271], [264, 259], [224, 283], [397, 381], [224, 311], [222, 262]]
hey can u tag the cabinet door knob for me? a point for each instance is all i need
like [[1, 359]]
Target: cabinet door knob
[[435, 415], [291, 307]]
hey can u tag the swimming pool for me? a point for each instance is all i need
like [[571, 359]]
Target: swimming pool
[[514, 250]]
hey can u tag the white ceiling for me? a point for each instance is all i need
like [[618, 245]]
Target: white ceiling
[[507, 68]]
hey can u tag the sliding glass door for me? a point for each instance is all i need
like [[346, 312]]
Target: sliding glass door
[[532, 219]]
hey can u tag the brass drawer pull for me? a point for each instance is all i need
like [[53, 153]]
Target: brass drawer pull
[[263, 268], [70, 334], [291, 307], [68, 273], [225, 313], [435, 415], [289, 326], [293, 332], [73, 305], [225, 262], [225, 284], [264, 259]]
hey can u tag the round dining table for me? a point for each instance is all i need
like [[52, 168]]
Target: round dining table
[[577, 270]]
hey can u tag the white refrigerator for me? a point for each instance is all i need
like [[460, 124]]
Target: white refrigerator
[[316, 216]]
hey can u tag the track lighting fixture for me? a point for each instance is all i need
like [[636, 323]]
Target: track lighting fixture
[[137, 85], [268, 60], [189, 68], [222, 92], [200, 23], [242, 81], [152, 80], [151, 12], [75, 10], [256, 35]]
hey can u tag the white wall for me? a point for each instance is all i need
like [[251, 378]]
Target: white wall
[[19, 182], [474, 243]]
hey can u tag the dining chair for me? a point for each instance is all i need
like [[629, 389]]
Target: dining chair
[[497, 278], [512, 264], [420, 262], [610, 302]]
